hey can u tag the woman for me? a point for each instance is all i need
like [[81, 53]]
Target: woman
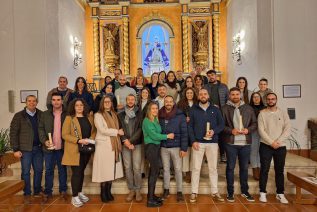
[[108, 79], [242, 84], [139, 85], [144, 100], [172, 86], [107, 165], [257, 104], [198, 82], [106, 90], [81, 91], [189, 83], [153, 85], [162, 77], [185, 105], [78, 127], [152, 139]]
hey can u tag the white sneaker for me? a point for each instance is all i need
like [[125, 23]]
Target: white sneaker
[[83, 197], [282, 198], [76, 202], [262, 197]]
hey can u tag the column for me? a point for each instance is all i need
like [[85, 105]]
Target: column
[[96, 47], [185, 43], [126, 61], [215, 35]]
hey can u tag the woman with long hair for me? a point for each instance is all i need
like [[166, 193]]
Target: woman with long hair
[[81, 91], [257, 104], [144, 100], [152, 139], [139, 85], [153, 85], [162, 77], [78, 128], [185, 104], [173, 88], [106, 90], [107, 165], [198, 83], [242, 84]]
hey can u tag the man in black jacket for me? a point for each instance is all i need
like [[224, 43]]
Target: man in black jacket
[[240, 122], [131, 121], [51, 123], [24, 139]]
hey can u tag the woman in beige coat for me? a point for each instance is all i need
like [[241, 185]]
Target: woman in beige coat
[[107, 165]]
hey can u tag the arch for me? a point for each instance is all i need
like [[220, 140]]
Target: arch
[[157, 21]]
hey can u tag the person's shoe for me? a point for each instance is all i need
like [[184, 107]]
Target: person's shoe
[[248, 197], [152, 203], [63, 196], [223, 158], [282, 198], [179, 197], [262, 197], [130, 196], [77, 202], [188, 177], [46, 197], [230, 198], [83, 198], [138, 196], [27, 199], [40, 194], [159, 199], [256, 173], [110, 196], [217, 197], [193, 198], [166, 194]]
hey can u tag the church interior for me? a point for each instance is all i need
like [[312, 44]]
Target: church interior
[[41, 40]]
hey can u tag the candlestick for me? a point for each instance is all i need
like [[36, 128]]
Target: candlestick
[[118, 99], [240, 123], [207, 130], [51, 147]]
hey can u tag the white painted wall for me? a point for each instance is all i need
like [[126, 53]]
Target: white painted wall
[[35, 48]]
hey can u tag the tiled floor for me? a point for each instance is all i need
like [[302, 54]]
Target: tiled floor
[[205, 203]]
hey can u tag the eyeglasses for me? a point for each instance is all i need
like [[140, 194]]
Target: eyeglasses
[[271, 99]]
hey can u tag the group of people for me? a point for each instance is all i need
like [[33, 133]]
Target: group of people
[[167, 124]]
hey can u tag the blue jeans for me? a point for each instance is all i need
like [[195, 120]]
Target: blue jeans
[[243, 154], [34, 158], [255, 147], [51, 160]]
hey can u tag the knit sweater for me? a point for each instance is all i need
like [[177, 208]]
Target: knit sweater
[[152, 132], [274, 126]]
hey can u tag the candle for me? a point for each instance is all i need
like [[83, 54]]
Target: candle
[[240, 123], [118, 99], [208, 126], [50, 139]]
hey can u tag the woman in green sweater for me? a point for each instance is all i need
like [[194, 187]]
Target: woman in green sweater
[[152, 139]]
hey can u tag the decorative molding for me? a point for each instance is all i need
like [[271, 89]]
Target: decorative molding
[[126, 61], [215, 36], [96, 45], [110, 13], [185, 44], [201, 10]]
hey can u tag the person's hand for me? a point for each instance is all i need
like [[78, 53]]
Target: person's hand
[[170, 136], [83, 141], [195, 145], [126, 143], [235, 132], [245, 131], [210, 133], [120, 132], [17, 154], [187, 119], [182, 154], [131, 147], [48, 144], [275, 145]]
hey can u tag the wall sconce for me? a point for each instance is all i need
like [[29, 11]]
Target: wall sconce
[[77, 55], [238, 46]]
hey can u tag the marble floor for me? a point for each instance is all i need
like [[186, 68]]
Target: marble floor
[[205, 203]]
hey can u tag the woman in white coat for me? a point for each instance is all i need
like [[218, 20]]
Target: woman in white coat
[[107, 165]]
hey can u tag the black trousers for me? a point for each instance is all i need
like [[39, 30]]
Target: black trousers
[[266, 155], [152, 154], [77, 179]]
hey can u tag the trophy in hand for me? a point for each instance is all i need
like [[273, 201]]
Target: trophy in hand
[[207, 132], [51, 146]]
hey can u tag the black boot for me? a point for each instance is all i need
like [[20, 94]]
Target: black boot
[[108, 191], [152, 200], [103, 197]]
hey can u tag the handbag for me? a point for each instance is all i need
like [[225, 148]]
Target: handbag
[[85, 149]]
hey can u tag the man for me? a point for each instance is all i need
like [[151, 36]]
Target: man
[[61, 89], [179, 78], [240, 123], [131, 121], [205, 142], [274, 129], [199, 69], [218, 93], [139, 74], [162, 92], [26, 145], [51, 122], [115, 82], [172, 120], [122, 92], [263, 89]]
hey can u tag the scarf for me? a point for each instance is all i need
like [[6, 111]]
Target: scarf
[[112, 122], [129, 114], [237, 123], [163, 114]]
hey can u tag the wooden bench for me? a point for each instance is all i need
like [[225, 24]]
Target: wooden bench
[[8, 189], [300, 183]]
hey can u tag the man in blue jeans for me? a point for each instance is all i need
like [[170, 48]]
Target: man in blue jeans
[[26, 145], [51, 123], [240, 122]]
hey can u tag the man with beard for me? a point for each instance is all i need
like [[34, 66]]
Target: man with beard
[[172, 120], [205, 124], [161, 90], [274, 129], [131, 120], [61, 89], [218, 93], [122, 92], [240, 122]]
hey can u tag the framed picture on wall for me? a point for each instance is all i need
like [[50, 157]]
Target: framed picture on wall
[[292, 91], [25, 93]]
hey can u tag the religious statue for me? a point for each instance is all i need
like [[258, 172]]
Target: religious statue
[[201, 36], [110, 37]]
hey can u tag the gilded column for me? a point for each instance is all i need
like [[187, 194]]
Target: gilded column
[[215, 35], [126, 61], [185, 43], [96, 47]]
